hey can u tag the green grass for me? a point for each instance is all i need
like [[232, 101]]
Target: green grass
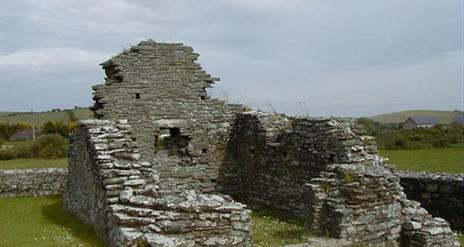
[[271, 228], [12, 144], [33, 163], [461, 238], [434, 160], [41, 221], [444, 117], [39, 118]]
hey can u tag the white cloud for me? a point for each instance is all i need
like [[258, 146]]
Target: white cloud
[[53, 56], [373, 56]]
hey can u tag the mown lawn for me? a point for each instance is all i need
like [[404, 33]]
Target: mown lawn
[[33, 163], [41, 221], [434, 160]]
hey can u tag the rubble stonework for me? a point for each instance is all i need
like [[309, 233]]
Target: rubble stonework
[[112, 190], [164, 176], [32, 182], [440, 193], [161, 90]]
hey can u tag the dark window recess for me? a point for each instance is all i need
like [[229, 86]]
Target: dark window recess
[[118, 78], [170, 139], [137, 95], [332, 158], [204, 150], [252, 150], [203, 95], [174, 132]]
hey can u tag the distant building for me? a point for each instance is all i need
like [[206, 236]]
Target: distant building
[[420, 122], [26, 134]]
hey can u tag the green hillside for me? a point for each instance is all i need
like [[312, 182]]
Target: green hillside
[[444, 117], [42, 117]]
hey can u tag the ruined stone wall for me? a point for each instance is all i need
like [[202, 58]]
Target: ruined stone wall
[[441, 194], [277, 156], [145, 184], [118, 195], [161, 90], [32, 182], [328, 172]]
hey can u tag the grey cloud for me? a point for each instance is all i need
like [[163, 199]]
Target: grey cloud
[[370, 55]]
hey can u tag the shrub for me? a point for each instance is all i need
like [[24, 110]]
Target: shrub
[[24, 151], [392, 137], [61, 128], [50, 146], [7, 130], [7, 154], [440, 143]]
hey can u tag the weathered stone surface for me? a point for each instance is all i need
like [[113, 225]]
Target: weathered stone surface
[[129, 211], [160, 177], [322, 242], [440, 193], [32, 182]]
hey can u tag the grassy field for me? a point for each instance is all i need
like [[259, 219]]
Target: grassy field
[[444, 117], [271, 228], [42, 221], [12, 144], [32, 163], [42, 117], [433, 160]]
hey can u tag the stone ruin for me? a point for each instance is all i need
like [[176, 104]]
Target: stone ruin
[[161, 164]]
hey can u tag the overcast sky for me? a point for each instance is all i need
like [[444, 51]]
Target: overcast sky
[[316, 57]]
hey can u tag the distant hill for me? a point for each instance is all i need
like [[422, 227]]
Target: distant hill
[[443, 117], [42, 117]]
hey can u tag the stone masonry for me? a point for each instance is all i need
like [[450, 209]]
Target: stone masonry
[[116, 193], [32, 182], [441, 194], [167, 174]]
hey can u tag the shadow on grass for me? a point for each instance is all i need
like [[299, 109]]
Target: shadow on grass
[[56, 214], [273, 227], [267, 211]]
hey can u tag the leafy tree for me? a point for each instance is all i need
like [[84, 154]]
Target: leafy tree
[[394, 137], [50, 146], [61, 128], [7, 129]]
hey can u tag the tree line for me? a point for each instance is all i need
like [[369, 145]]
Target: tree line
[[394, 136], [52, 144]]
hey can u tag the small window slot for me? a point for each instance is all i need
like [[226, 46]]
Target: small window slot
[[137, 95]]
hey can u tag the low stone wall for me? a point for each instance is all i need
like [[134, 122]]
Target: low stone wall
[[440, 193], [32, 182]]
